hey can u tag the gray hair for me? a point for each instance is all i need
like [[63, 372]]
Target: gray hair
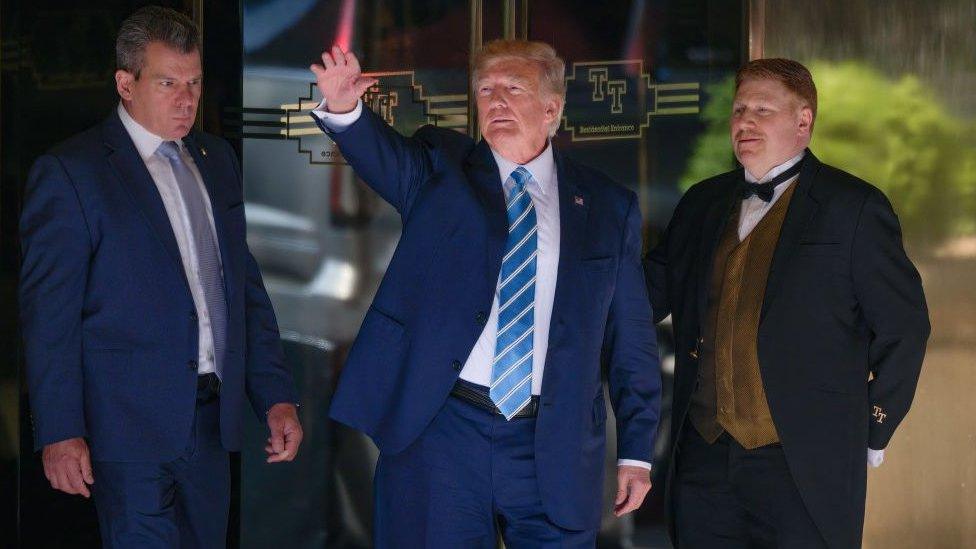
[[153, 24], [552, 69]]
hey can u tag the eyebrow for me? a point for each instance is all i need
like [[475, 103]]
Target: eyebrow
[[161, 76], [512, 77]]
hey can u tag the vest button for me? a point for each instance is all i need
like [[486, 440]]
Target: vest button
[[481, 317], [457, 365], [192, 365]]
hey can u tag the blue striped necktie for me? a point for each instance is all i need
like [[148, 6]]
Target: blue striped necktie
[[511, 373], [208, 258]]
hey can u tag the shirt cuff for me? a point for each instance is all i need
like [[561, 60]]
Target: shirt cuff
[[634, 463], [338, 122], [875, 457]]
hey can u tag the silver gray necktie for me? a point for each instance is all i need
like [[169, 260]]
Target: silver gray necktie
[[208, 254]]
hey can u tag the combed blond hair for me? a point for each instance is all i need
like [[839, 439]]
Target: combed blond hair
[[552, 69]]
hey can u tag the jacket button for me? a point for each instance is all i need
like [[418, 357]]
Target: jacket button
[[193, 316], [481, 317], [192, 365], [457, 365]]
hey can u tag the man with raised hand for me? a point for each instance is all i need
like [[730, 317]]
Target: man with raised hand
[[477, 370]]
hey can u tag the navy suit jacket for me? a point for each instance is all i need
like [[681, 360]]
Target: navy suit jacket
[[431, 307], [109, 326]]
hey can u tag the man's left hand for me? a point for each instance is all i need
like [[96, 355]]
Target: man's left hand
[[633, 484], [286, 432]]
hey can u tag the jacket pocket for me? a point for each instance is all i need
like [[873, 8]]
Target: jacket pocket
[[382, 326], [378, 352]]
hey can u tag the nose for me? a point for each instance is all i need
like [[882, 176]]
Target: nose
[[496, 99], [186, 97], [744, 122]]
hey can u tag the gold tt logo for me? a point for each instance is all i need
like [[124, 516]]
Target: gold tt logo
[[382, 103], [603, 86], [879, 414]]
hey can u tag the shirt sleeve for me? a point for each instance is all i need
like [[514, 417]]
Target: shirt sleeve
[[634, 463], [875, 457], [338, 122]]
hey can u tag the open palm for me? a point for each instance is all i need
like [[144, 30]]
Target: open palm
[[341, 80]]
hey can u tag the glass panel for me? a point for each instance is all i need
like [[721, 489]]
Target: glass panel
[[638, 76], [896, 108], [322, 238]]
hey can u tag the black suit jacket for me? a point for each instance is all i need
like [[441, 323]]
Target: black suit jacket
[[843, 328]]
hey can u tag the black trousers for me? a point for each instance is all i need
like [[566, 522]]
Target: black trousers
[[728, 497]]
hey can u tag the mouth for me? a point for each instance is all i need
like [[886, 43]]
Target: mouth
[[747, 140]]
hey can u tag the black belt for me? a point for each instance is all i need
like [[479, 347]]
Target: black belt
[[477, 395], [208, 387]]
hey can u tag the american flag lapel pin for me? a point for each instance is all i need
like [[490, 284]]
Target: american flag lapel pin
[[578, 200]]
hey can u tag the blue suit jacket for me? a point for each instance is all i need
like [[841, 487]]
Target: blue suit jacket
[[430, 308], [109, 325]]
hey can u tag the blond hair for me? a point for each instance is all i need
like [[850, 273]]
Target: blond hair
[[552, 69]]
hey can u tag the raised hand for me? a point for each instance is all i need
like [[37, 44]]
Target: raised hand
[[340, 80]]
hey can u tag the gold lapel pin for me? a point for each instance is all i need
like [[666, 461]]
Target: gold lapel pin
[[203, 151]]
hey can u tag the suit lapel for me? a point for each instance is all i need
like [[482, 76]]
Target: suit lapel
[[483, 171], [803, 206], [574, 209], [135, 179], [217, 204], [716, 218]]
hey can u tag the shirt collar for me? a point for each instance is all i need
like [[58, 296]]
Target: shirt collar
[[145, 141], [776, 170], [542, 168]]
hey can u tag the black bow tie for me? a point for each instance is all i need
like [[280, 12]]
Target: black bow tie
[[765, 190]]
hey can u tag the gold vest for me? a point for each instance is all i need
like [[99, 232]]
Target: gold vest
[[730, 395]]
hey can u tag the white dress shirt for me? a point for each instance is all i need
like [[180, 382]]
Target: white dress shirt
[[754, 208], [752, 212], [162, 175], [544, 190]]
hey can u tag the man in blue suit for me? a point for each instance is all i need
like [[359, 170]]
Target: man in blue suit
[[145, 319], [477, 370]]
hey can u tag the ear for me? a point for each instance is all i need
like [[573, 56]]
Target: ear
[[552, 108], [124, 81], [805, 121]]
